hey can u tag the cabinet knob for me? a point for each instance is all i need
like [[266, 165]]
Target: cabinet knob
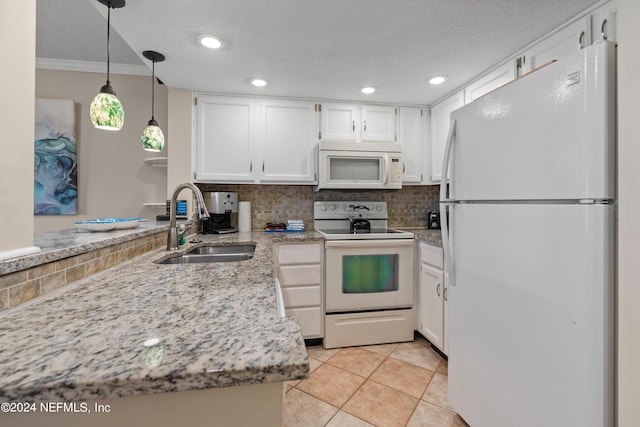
[[581, 40], [438, 289], [445, 294], [365, 125], [353, 127]]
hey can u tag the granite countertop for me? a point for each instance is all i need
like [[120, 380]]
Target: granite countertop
[[432, 237], [144, 328]]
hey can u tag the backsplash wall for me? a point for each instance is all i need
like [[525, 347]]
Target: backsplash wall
[[407, 207]]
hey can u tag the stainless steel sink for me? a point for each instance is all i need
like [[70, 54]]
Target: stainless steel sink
[[223, 250], [210, 254]]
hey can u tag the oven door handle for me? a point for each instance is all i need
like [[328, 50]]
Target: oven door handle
[[368, 243]]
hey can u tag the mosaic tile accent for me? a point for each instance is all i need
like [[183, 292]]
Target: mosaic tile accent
[[408, 207]]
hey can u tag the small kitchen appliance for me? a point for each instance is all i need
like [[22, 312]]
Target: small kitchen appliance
[[368, 275], [359, 166], [223, 210], [433, 220]]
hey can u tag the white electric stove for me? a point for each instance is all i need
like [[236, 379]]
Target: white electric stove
[[368, 275]]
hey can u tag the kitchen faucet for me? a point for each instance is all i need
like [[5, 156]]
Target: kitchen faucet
[[203, 213]]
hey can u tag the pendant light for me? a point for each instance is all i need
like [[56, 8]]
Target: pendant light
[[106, 109], [152, 137]]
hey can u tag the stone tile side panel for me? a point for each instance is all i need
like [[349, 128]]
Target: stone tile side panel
[[22, 286], [408, 207]]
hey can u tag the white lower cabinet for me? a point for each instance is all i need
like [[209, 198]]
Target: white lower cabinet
[[432, 302], [299, 270]]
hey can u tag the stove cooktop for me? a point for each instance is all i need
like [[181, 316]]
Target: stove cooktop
[[374, 233]]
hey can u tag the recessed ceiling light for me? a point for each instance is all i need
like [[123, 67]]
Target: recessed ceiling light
[[211, 42], [259, 82], [367, 90], [437, 80]]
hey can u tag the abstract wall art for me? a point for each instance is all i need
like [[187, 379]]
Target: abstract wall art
[[56, 180]]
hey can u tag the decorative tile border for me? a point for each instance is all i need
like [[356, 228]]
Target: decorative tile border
[[21, 286]]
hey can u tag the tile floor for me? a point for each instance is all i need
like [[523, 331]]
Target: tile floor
[[380, 385]]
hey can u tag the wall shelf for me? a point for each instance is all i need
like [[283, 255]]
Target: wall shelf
[[156, 162]]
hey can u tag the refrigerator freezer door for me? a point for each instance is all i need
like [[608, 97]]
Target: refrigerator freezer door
[[531, 315], [549, 135]]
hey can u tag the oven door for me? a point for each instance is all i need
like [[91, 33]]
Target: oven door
[[365, 275]]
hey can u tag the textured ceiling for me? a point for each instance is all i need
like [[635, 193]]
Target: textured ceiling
[[319, 49]]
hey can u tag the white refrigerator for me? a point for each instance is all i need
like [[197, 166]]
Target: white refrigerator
[[530, 248]]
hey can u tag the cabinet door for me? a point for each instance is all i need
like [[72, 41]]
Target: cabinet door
[[379, 123], [340, 122], [430, 295], [558, 45], [603, 23], [225, 139], [410, 136], [288, 146], [490, 81], [440, 118]]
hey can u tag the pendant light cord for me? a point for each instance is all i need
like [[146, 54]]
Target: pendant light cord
[[108, 42], [153, 89]]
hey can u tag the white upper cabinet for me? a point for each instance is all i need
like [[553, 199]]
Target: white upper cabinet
[[340, 122], [288, 149], [353, 122], [413, 142], [440, 119], [246, 140], [568, 39], [490, 81], [225, 139], [379, 123]]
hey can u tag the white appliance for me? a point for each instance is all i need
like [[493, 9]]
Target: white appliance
[[529, 248], [359, 165], [368, 275]]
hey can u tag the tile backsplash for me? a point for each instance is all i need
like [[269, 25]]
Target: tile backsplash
[[407, 207]]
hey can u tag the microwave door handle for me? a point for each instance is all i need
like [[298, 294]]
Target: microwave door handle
[[385, 171]]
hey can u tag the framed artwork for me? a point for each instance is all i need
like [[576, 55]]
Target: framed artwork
[[55, 168]]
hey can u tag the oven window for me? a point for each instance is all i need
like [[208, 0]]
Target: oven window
[[363, 274]]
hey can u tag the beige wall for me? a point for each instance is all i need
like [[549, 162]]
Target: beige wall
[[18, 46], [629, 213], [113, 180], [180, 107]]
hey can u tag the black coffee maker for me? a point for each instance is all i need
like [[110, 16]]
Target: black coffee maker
[[223, 213]]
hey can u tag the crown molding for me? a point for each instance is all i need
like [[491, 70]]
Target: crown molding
[[91, 66]]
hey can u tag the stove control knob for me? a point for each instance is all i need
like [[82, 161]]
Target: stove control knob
[[332, 206], [379, 207], [323, 208]]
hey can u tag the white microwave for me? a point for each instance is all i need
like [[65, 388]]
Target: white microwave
[[359, 166]]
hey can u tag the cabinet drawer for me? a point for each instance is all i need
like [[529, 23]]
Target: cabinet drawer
[[293, 275], [300, 254], [310, 320], [301, 297], [432, 255]]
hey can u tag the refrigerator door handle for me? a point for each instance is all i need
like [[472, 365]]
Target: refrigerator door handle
[[444, 221]]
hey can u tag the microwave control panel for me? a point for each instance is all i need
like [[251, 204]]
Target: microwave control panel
[[395, 170]]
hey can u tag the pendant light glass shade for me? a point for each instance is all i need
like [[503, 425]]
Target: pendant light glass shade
[[152, 136], [106, 110]]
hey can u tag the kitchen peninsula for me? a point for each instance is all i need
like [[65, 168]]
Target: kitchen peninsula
[[165, 344]]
